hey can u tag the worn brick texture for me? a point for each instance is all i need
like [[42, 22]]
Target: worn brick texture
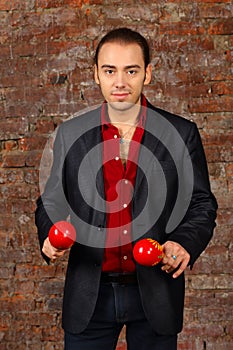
[[46, 77]]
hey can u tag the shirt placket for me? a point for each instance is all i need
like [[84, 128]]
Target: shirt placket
[[119, 211]]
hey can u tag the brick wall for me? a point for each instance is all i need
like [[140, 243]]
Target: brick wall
[[45, 77]]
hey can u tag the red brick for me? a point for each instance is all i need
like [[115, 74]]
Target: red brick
[[5, 5], [12, 128], [10, 145], [220, 345], [209, 1], [221, 27], [225, 217], [51, 288], [31, 176], [30, 143], [195, 344], [14, 159], [184, 44], [213, 11], [181, 28], [217, 104], [214, 265], [217, 138], [184, 91], [215, 314], [35, 272], [44, 126], [15, 191], [196, 329], [221, 121], [48, 3], [23, 206], [230, 185], [5, 273], [54, 304], [222, 88], [11, 176], [229, 170], [219, 72], [22, 303], [225, 200], [33, 159], [23, 287]]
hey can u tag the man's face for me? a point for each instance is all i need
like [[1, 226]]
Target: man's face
[[121, 74]]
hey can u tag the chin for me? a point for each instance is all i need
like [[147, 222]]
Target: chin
[[121, 105]]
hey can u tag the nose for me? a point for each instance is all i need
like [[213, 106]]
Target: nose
[[120, 80]]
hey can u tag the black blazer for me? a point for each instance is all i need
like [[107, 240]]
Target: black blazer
[[172, 200]]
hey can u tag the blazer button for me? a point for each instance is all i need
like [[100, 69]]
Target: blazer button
[[100, 228]]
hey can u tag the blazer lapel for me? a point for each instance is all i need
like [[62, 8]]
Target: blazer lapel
[[93, 141], [154, 132]]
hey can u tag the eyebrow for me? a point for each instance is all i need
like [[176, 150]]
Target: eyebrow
[[126, 67]]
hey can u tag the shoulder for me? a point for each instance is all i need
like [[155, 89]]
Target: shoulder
[[174, 119], [168, 121], [79, 125], [89, 117]]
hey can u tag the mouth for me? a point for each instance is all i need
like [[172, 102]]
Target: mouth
[[120, 95]]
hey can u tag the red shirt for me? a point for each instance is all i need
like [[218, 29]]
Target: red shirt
[[119, 183]]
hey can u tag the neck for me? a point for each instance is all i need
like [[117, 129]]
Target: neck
[[127, 115]]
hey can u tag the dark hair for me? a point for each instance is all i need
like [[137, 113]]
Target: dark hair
[[125, 36]]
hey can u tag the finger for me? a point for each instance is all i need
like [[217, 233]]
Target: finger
[[170, 262], [181, 269], [60, 254], [55, 256], [47, 252], [51, 252], [171, 267], [167, 259]]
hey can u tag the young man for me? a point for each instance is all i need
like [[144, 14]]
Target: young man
[[123, 172]]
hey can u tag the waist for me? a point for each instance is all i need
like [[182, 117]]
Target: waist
[[120, 278]]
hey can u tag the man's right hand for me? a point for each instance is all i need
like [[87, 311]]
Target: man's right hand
[[51, 252]]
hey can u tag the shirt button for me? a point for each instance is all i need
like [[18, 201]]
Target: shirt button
[[125, 205], [115, 136], [117, 158], [125, 257], [125, 232]]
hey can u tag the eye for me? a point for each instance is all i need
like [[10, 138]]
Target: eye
[[132, 72], [109, 71]]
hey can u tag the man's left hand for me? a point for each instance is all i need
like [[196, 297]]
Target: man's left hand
[[175, 258]]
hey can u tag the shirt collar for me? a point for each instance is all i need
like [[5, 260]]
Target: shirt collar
[[142, 116]]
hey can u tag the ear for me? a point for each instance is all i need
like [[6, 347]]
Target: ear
[[148, 74], [96, 75]]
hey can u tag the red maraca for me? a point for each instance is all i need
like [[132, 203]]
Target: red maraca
[[62, 235], [148, 252]]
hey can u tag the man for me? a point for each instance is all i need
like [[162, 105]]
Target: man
[[123, 172]]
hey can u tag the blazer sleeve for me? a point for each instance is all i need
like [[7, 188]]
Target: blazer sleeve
[[196, 229], [52, 204]]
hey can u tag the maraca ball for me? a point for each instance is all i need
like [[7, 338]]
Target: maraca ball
[[62, 235], [148, 252]]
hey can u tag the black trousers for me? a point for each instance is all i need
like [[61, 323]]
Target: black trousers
[[119, 305]]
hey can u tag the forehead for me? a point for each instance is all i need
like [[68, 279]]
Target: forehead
[[120, 54]]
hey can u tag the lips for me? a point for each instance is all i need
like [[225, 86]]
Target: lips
[[120, 95]]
